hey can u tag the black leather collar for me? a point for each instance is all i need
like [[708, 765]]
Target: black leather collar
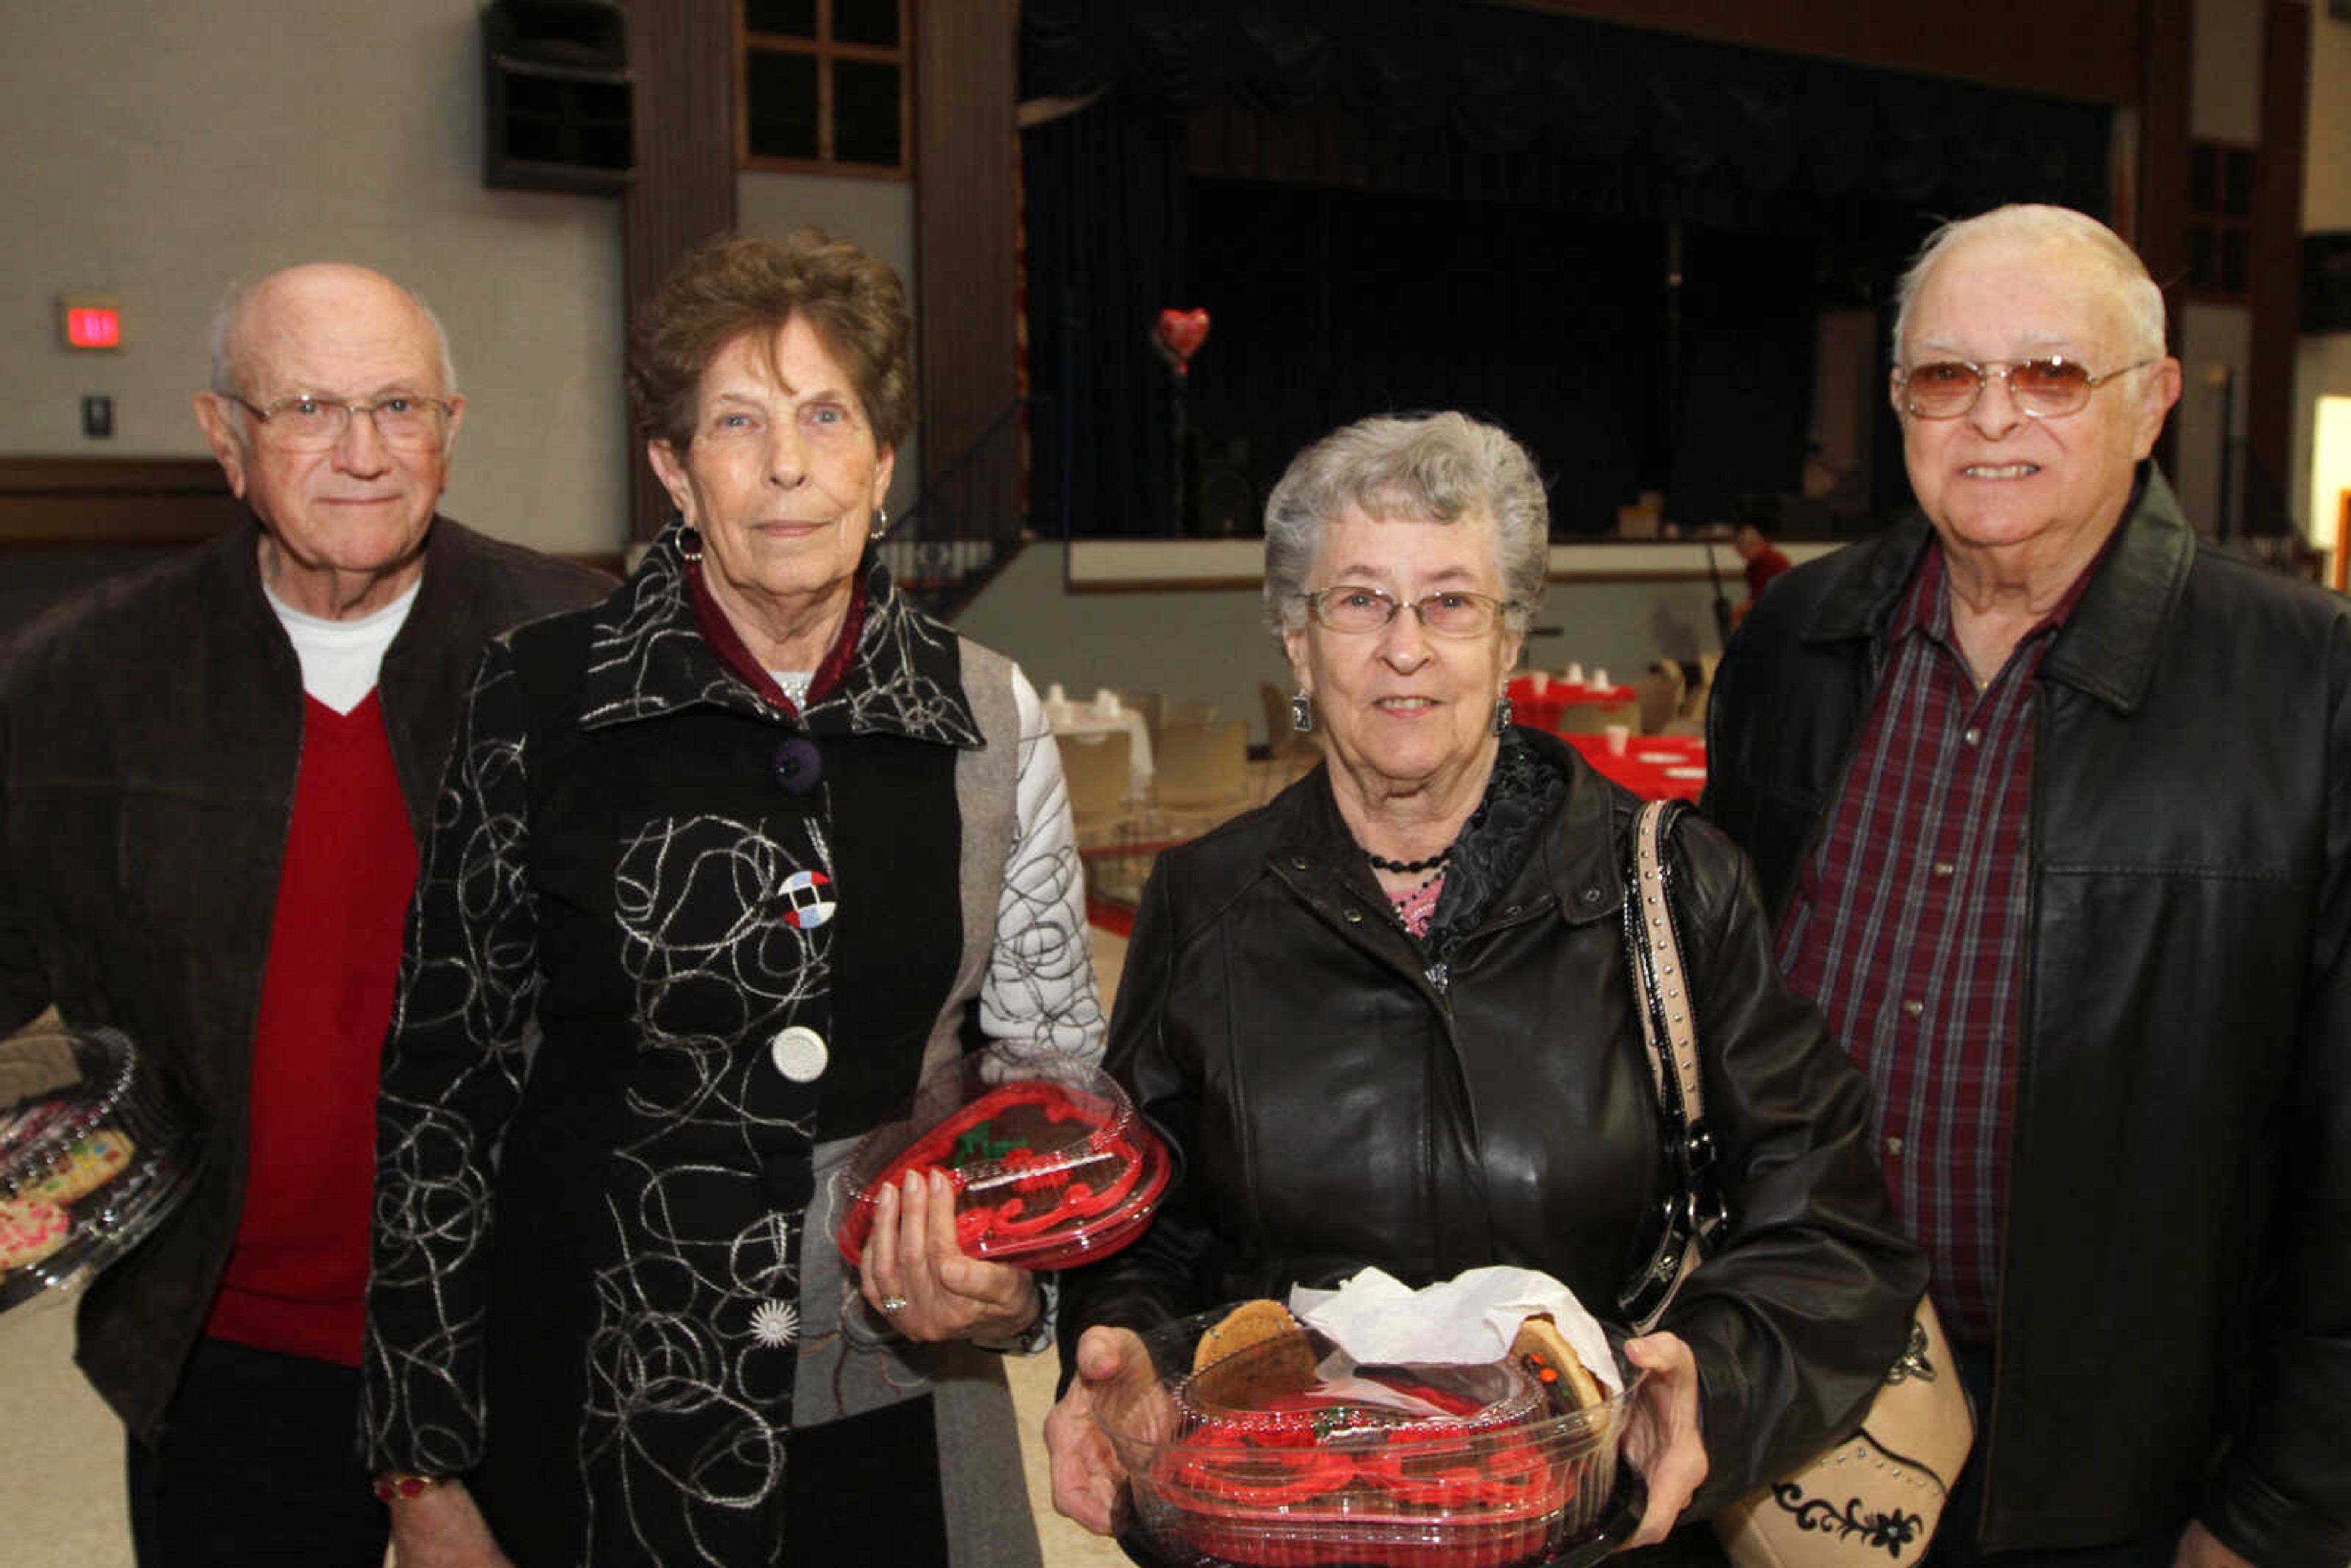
[[2107, 646]]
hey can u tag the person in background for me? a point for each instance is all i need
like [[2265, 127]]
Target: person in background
[[726, 865], [1764, 561], [2052, 808], [213, 775], [1387, 1019]]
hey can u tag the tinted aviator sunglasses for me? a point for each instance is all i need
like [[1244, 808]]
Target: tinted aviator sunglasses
[[2042, 389]]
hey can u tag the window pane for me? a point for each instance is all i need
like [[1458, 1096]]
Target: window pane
[[781, 93], [2241, 182], [2203, 178], [793, 18], [2232, 261], [865, 108], [2203, 265], [865, 22]]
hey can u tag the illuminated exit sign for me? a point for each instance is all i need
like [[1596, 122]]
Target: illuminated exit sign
[[90, 320]]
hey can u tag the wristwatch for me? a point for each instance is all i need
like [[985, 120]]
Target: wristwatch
[[401, 1485]]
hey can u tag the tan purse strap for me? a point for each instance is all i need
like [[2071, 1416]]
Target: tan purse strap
[[1667, 1012], [1665, 951]]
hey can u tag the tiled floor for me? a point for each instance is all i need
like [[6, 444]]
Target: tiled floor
[[61, 1451]]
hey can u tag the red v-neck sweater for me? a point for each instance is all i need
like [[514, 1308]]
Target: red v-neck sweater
[[296, 1279]]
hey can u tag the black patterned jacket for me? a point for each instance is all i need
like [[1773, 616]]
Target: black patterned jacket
[[652, 996]]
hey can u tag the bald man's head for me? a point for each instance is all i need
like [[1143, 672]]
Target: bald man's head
[[321, 278], [333, 412]]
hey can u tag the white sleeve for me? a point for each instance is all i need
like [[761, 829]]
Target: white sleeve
[[1040, 995]]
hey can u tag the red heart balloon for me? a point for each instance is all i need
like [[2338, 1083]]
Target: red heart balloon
[[1181, 333]]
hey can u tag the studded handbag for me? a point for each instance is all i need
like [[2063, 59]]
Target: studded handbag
[[1876, 1496]]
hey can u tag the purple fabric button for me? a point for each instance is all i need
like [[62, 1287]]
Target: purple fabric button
[[798, 766]]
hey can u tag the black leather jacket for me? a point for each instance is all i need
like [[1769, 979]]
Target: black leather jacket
[[2175, 1296], [1336, 1107]]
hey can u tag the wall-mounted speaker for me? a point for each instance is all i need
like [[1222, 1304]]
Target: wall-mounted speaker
[[557, 94], [2326, 282]]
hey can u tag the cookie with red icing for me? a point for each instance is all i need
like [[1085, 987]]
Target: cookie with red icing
[[30, 1229]]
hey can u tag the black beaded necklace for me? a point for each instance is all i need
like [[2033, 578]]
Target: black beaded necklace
[[1381, 863]]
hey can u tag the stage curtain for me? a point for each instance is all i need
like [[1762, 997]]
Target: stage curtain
[[1535, 166]]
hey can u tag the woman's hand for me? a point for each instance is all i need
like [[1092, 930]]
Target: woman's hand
[[913, 1260], [442, 1529], [1661, 1435], [1089, 1483]]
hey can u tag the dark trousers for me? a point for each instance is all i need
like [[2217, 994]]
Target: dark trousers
[[1955, 1540], [257, 1466]]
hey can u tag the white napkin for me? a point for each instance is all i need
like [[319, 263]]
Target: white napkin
[[1105, 703], [1467, 1318]]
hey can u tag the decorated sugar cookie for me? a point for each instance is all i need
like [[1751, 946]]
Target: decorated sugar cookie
[[89, 1166], [30, 1231]]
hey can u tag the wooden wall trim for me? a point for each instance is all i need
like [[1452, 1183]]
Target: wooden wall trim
[[76, 501], [967, 246], [682, 55], [2276, 266]]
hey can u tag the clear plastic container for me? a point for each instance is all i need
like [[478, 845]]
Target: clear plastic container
[[1051, 1165], [95, 1150], [1297, 1460]]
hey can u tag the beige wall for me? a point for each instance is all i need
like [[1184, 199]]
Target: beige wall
[[2323, 367], [2326, 164], [2214, 341], [156, 151], [2224, 92], [2224, 105]]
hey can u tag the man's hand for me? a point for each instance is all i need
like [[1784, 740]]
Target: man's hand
[[1089, 1483], [2200, 1548], [1661, 1433], [442, 1529]]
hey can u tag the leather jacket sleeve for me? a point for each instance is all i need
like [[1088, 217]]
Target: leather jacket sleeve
[[1796, 1317], [1171, 1269], [2282, 1496]]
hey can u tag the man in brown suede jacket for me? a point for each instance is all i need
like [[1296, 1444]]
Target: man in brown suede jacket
[[214, 774]]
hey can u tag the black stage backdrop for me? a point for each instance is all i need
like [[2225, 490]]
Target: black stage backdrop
[[1411, 204]]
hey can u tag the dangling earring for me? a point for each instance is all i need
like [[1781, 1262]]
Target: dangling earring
[[1502, 715], [880, 522], [1301, 711], [689, 542]]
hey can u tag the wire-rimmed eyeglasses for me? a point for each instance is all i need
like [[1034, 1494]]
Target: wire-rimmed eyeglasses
[[2047, 387], [1449, 612], [305, 423]]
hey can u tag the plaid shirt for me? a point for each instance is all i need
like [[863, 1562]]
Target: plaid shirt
[[1907, 925]]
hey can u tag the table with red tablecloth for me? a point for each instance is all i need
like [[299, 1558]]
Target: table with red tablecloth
[[1544, 703], [1654, 767]]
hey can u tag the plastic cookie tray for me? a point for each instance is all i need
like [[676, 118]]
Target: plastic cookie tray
[[1255, 1459], [1051, 1167], [95, 1150]]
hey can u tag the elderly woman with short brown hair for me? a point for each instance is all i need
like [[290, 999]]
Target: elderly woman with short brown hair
[[1387, 1019], [721, 868]]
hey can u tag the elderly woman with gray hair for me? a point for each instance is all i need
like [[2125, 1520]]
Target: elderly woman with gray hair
[[1387, 1019]]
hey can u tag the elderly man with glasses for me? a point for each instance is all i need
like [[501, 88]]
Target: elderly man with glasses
[[2052, 806], [213, 774]]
